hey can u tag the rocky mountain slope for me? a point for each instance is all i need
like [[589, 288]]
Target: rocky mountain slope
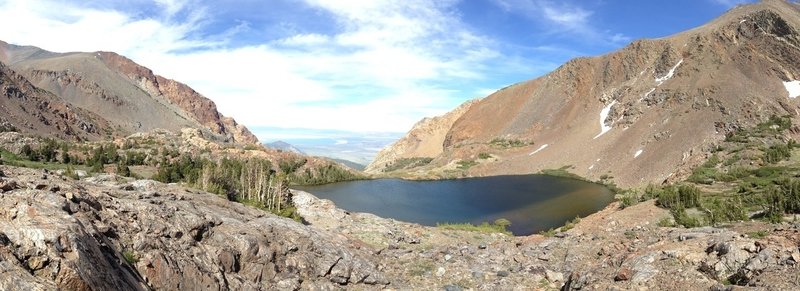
[[129, 97], [424, 140], [645, 113]]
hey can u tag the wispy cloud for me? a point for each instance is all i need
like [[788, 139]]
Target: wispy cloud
[[730, 3], [383, 65], [565, 18]]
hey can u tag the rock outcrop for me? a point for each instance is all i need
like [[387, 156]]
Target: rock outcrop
[[641, 114], [110, 234]]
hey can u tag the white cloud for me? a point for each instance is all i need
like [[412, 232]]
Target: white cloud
[[380, 70], [563, 17]]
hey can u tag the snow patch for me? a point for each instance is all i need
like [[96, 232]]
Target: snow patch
[[646, 94], [540, 148], [639, 152], [793, 87], [669, 74], [591, 167], [742, 21], [603, 115]]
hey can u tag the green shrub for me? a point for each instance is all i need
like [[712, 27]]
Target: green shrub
[[666, 222], [130, 257], [503, 223], [731, 209], [629, 198], [683, 218], [484, 156], [777, 153], [682, 196]]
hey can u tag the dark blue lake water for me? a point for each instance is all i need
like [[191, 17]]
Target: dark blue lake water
[[531, 202]]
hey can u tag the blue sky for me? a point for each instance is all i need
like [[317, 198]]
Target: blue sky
[[294, 68]]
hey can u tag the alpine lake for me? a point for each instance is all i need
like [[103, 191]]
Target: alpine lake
[[532, 203]]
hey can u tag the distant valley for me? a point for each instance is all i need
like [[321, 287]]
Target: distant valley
[[358, 150]]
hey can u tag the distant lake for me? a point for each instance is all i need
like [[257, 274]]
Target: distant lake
[[531, 202]]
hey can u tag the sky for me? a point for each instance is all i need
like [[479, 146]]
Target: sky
[[316, 68]]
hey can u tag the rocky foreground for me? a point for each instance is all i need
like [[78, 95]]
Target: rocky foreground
[[108, 233]]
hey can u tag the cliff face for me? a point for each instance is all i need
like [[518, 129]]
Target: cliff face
[[130, 97], [646, 112], [424, 140]]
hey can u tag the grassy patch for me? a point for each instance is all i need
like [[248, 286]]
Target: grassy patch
[[420, 269], [287, 211], [499, 226], [466, 164], [758, 234], [570, 224], [11, 159], [548, 233], [407, 163], [508, 143], [484, 156], [562, 172]]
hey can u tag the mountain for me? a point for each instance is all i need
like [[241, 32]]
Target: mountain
[[424, 140], [645, 113], [351, 164], [128, 97], [284, 146], [360, 148]]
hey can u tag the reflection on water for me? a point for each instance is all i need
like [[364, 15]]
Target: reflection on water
[[531, 202]]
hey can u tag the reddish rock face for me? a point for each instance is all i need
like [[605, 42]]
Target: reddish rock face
[[197, 106]]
